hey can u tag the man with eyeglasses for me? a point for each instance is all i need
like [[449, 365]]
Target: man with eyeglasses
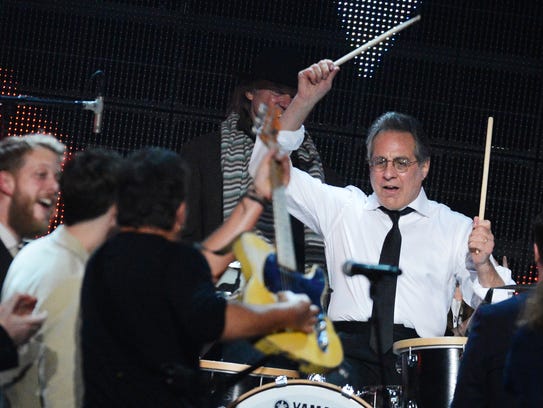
[[438, 246]]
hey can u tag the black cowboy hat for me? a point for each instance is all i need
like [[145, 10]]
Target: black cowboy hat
[[278, 65]]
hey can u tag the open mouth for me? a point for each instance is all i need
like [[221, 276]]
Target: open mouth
[[45, 202], [390, 188]]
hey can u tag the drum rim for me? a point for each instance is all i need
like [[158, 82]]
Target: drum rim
[[429, 342], [233, 368], [295, 382]]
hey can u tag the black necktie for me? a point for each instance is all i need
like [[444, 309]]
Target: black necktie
[[385, 288]]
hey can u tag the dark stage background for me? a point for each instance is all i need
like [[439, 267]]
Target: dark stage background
[[170, 65]]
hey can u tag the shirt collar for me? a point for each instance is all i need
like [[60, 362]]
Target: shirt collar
[[9, 240], [70, 242], [419, 204]]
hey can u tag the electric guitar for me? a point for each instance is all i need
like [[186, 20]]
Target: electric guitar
[[267, 272]]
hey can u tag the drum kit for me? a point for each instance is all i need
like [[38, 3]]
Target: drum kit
[[428, 367]]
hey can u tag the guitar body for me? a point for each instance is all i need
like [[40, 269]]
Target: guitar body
[[263, 277]]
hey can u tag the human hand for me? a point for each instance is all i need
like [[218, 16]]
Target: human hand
[[316, 80], [481, 241], [303, 316], [24, 305], [16, 319], [462, 328], [263, 178]]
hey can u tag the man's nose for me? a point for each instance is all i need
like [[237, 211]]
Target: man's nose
[[390, 171], [283, 100]]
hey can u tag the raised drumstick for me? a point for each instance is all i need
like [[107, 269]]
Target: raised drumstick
[[376, 40], [486, 165]]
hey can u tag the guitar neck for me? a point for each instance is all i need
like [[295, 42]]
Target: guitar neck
[[283, 230], [281, 219]]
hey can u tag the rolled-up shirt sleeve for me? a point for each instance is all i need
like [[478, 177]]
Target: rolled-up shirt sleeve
[[288, 141], [497, 296]]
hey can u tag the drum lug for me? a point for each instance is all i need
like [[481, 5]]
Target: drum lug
[[412, 360], [281, 381], [347, 391], [316, 377]]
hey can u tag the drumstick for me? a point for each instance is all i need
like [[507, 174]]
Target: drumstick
[[486, 164], [376, 41]]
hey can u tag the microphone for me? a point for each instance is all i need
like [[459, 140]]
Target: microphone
[[97, 127], [372, 272], [97, 106]]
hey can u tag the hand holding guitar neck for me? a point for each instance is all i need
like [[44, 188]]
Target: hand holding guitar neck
[[274, 170]]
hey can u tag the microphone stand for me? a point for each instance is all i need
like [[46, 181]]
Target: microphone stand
[[95, 106], [374, 278], [375, 273]]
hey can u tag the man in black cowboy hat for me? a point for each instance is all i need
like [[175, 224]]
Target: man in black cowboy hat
[[219, 166], [219, 161]]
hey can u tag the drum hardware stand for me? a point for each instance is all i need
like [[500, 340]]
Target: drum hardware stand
[[221, 387]]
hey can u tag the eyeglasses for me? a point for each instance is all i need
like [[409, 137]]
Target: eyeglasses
[[401, 164]]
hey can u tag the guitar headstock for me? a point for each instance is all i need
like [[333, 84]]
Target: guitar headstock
[[266, 125]]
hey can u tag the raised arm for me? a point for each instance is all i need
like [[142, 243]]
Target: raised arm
[[244, 216], [314, 82]]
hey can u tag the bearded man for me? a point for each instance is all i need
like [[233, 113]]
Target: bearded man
[[29, 171]]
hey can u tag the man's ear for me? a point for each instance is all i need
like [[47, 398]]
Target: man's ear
[[425, 169], [181, 215], [112, 213], [7, 183], [537, 257]]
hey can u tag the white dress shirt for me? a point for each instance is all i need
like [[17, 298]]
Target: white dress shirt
[[50, 268], [434, 252]]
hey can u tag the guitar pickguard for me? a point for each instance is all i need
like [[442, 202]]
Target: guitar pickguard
[[277, 279]]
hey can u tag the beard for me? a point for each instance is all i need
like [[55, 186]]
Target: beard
[[21, 217]]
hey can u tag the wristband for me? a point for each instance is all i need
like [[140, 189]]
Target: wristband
[[252, 195]]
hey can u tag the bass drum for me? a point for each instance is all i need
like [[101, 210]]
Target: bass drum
[[298, 393], [220, 372]]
